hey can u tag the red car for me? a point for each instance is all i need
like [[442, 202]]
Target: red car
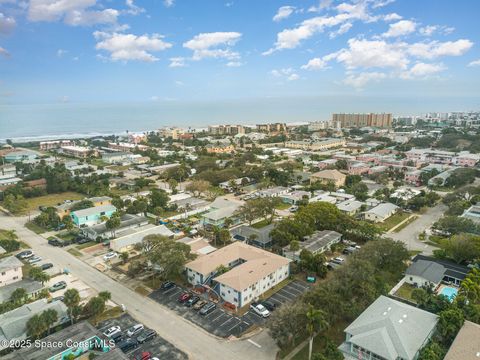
[[184, 297], [144, 356]]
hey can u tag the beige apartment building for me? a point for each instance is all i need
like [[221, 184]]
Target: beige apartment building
[[363, 120], [321, 145]]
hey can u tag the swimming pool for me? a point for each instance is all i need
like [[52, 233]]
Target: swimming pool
[[449, 292]]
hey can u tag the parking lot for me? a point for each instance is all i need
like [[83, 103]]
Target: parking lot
[[221, 322], [158, 346]]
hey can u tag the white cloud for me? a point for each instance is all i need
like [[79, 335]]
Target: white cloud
[[341, 30], [292, 38], [214, 45], [177, 62], [381, 3], [4, 52], [371, 53], [474, 63], [168, 3], [64, 99], [436, 49], [61, 52], [315, 64], [288, 74], [179, 83], [133, 9], [7, 24], [401, 28], [322, 4], [234, 64], [392, 17], [283, 13], [430, 30], [422, 70], [360, 80], [126, 47], [73, 12]]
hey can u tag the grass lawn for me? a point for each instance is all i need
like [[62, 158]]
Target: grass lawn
[[283, 206], [142, 290], [393, 220], [405, 292], [52, 200], [261, 224], [68, 235], [35, 228], [86, 245], [406, 223], [74, 252], [108, 314]]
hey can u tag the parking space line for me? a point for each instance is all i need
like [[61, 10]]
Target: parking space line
[[295, 284], [282, 296], [293, 290], [232, 318], [218, 317], [213, 312], [234, 326], [170, 290], [289, 293]]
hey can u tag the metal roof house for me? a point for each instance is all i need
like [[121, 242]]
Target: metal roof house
[[257, 237], [92, 216], [388, 330], [381, 212], [318, 242]]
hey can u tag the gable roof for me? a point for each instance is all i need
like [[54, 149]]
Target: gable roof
[[428, 270], [466, 345], [330, 174], [392, 329], [383, 209], [452, 269], [10, 262]]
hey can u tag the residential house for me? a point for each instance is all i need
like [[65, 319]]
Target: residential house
[[128, 224], [220, 210], [13, 324], [10, 270], [424, 273], [329, 176], [357, 168], [92, 215], [20, 156], [127, 242], [256, 237], [440, 179], [350, 207], [252, 272], [414, 177], [388, 330], [32, 289], [198, 246], [453, 273], [8, 171], [295, 197], [272, 192], [317, 243], [465, 159], [326, 163], [472, 213], [381, 212], [466, 345], [219, 148]]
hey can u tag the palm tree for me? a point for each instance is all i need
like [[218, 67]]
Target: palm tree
[[316, 322], [49, 317], [71, 298], [35, 326]]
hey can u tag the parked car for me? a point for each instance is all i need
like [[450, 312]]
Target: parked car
[[146, 336], [127, 344], [135, 329], [199, 304], [58, 298], [34, 259], [332, 265], [192, 301], [117, 337], [184, 297], [208, 308], [338, 260], [46, 266], [270, 306], [56, 242], [58, 286], [82, 240], [110, 256], [145, 355], [260, 310], [293, 208], [167, 285], [349, 250], [112, 331], [25, 254]]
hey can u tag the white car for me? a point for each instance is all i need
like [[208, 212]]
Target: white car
[[260, 310], [109, 256], [135, 329], [34, 259], [112, 331], [338, 260]]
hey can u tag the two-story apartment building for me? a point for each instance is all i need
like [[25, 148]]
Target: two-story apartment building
[[10, 270], [250, 272], [93, 215]]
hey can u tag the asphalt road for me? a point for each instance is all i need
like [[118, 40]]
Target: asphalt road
[[409, 234], [194, 341]]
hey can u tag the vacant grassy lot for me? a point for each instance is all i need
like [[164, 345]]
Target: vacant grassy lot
[[35, 228], [52, 200], [393, 220]]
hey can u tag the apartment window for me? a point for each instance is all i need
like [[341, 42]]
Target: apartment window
[[15, 277], [3, 272]]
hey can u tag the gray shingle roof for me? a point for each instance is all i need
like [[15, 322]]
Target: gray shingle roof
[[428, 270], [9, 263], [392, 329], [30, 286]]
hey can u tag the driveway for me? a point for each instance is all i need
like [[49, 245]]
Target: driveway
[[409, 234], [191, 339]]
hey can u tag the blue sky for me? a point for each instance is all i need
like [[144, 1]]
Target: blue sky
[[245, 51]]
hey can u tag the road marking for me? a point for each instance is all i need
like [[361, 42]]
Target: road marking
[[289, 293], [218, 317], [234, 326], [283, 296], [254, 343]]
